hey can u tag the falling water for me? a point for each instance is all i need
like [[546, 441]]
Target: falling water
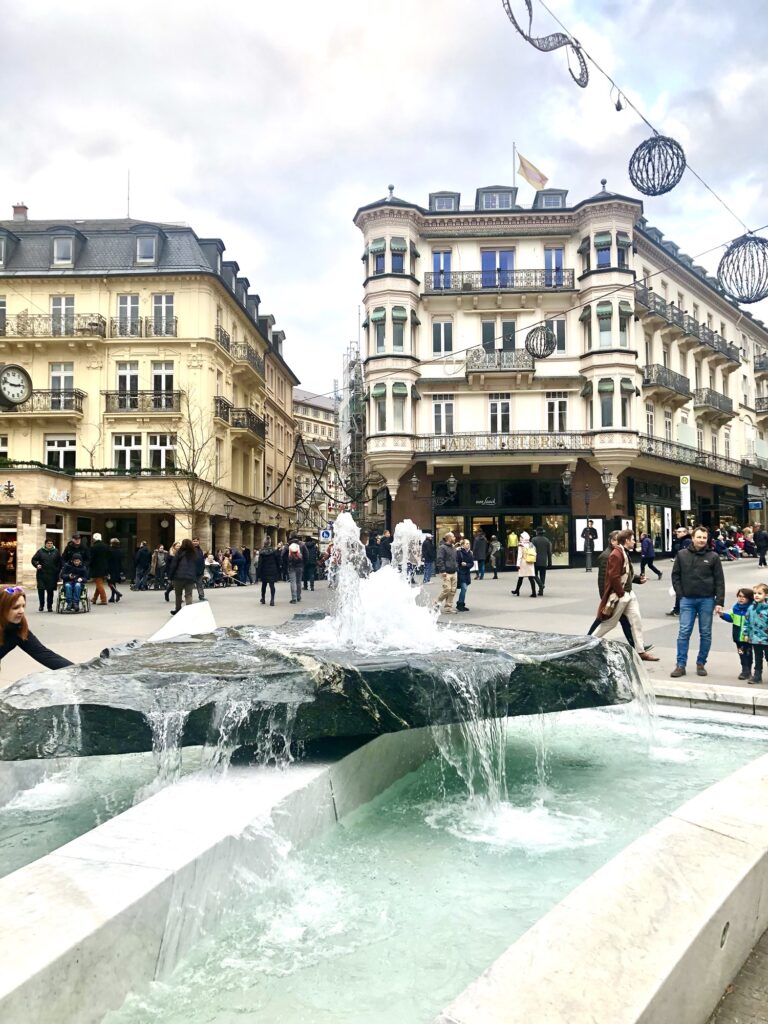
[[167, 728], [225, 725]]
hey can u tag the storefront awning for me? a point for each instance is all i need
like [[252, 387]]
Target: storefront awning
[[585, 314], [398, 245], [399, 389], [604, 310], [605, 386], [399, 314], [377, 245], [378, 314], [602, 238], [378, 390]]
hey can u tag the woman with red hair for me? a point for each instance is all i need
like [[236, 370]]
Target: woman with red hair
[[15, 631]]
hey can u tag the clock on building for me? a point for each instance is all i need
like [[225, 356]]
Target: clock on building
[[15, 385]]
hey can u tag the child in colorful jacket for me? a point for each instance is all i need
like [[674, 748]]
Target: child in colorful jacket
[[737, 617], [755, 629]]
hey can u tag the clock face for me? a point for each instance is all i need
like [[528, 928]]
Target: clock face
[[15, 384]]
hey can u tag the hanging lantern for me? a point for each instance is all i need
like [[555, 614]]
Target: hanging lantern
[[743, 270], [657, 165], [541, 341]]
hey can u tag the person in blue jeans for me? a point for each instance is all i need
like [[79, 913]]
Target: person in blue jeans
[[697, 577], [428, 553], [755, 630]]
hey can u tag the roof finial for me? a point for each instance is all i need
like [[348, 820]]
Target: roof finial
[[391, 190], [604, 182]]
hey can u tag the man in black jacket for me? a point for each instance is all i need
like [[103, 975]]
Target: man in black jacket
[[141, 563], [200, 564], [385, 548], [310, 565], [429, 554], [760, 538], [47, 562], [697, 577], [480, 553], [543, 546]]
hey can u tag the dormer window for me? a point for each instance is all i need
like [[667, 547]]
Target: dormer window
[[497, 200], [552, 202], [146, 249], [445, 203], [63, 252], [2, 251]]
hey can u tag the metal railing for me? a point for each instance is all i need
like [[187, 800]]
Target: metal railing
[[655, 373], [500, 280], [517, 441], [53, 325], [712, 399], [65, 400], [142, 401], [688, 456], [761, 364], [125, 327], [691, 326], [222, 408], [223, 338], [161, 326], [245, 353], [761, 405], [674, 315], [481, 359], [246, 419]]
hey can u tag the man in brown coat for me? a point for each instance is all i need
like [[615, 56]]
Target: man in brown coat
[[618, 598]]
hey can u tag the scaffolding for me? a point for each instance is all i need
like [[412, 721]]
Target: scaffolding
[[352, 430]]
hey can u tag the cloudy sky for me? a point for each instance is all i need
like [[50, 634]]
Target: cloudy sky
[[268, 124]]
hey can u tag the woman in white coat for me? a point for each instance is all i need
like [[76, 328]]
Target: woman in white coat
[[526, 564]]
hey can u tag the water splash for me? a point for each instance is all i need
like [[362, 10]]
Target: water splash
[[225, 727], [167, 728]]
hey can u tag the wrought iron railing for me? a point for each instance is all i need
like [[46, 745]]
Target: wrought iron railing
[[66, 400], [222, 408], [761, 405], [53, 325], [246, 419], [501, 280], [655, 373], [142, 401], [691, 326], [687, 455], [712, 399], [657, 305], [517, 441], [481, 359], [29, 465], [642, 294], [674, 315], [125, 327], [761, 364], [161, 326], [223, 338], [244, 353]]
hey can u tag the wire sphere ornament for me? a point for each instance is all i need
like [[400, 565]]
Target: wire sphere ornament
[[541, 341], [657, 165], [743, 270]]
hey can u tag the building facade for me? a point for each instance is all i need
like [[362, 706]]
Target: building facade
[[154, 377], [320, 495], [654, 376]]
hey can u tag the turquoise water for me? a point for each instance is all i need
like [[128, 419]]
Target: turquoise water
[[393, 913]]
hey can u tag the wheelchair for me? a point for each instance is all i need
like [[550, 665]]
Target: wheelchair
[[61, 600]]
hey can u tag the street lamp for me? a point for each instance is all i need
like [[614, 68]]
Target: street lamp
[[228, 507], [452, 485], [415, 483]]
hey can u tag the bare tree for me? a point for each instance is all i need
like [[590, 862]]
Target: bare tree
[[195, 463], [91, 449]]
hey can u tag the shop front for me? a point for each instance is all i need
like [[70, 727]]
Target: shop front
[[655, 507]]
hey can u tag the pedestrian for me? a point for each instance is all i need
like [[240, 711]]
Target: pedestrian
[[75, 545], [248, 557], [589, 535], [480, 553], [447, 566], [253, 569], [238, 564], [15, 631], [526, 564], [760, 538], [200, 562], [464, 562], [372, 549], [74, 576], [428, 554], [647, 555], [142, 560], [697, 577], [385, 548], [269, 569], [114, 570], [737, 617], [618, 598], [98, 569], [294, 557], [512, 545], [310, 565], [756, 629], [602, 565], [681, 541], [183, 572], [494, 553], [543, 546], [159, 566], [47, 562]]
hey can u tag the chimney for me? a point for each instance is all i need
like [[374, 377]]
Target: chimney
[[20, 211]]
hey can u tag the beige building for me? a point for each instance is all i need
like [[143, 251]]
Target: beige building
[[654, 376], [320, 495], [162, 401]]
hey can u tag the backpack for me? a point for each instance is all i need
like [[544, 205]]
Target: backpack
[[529, 553], [294, 553]]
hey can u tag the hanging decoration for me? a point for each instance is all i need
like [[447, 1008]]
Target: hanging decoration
[[657, 165], [551, 42], [743, 270], [541, 341]]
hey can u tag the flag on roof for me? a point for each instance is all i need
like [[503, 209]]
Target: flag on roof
[[531, 174]]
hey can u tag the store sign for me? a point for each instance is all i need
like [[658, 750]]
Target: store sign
[[56, 495], [755, 506], [685, 493], [485, 501]]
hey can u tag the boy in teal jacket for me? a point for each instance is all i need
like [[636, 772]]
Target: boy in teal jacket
[[737, 617], [755, 629]]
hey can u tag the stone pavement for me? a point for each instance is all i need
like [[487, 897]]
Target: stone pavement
[[746, 998], [568, 606]]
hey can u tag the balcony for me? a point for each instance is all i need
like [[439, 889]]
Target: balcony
[[246, 355], [480, 360], [761, 408], [126, 327], [558, 442], [712, 405], [44, 325], [670, 387], [761, 367], [693, 335], [223, 338], [140, 402], [685, 455], [455, 282], [58, 403], [161, 326], [239, 418]]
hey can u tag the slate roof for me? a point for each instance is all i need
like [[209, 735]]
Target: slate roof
[[309, 398]]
